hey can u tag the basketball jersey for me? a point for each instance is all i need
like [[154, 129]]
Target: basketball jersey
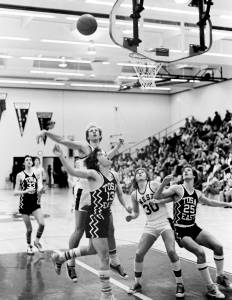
[[184, 210], [102, 198], [154, 212], [39, 175], [29, 181]]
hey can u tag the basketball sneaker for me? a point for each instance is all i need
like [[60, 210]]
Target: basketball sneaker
[[72, 273], [30, 250], [119, 269], [224, 282], [136, 288], [213, 291], [57, 261], [38, 246], [179, 290]]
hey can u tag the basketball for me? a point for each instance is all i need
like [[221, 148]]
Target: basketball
[[87, 24]]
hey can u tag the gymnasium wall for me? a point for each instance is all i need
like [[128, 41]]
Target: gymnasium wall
[[136, 116], [202, 102]]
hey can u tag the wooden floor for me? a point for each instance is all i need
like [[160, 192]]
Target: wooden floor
[[56, 204]]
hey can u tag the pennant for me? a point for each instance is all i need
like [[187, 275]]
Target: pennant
[[22, 110], [44, 119], [2, 103]]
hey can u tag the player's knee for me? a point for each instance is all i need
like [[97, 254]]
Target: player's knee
[[29, 230], [105, 259], [200, 254], [218, 249], [172, 254], [139, 257]]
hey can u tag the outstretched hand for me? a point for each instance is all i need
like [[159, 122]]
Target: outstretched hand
[[57, 150], [129, 218], [40, 137], [167, 180]]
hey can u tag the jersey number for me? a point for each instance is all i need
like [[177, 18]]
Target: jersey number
[[150, 208], [189, 209]]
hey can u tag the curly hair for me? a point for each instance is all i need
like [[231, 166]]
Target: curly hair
[[91, 162], [134, 182]]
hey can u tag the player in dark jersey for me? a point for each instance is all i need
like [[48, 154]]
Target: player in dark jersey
[[27, 188], [93, 139], [191, 236], [102, 188]]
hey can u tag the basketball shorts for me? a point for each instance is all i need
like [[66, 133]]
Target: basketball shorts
[[156, 229], [97, 226], [191, 231], [27, 207], [83, 200]]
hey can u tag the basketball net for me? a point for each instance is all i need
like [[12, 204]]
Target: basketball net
[[146, 70]]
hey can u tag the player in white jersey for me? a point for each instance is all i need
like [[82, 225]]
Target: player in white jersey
[[157, 224], [39, 173], [189, 234], [93, 137]]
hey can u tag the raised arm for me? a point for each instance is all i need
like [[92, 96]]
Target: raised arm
[[203, 199], [135, 208], [161, 193], [74, 172], [83, 147], [120, 195], [154, 185], [114, 151]]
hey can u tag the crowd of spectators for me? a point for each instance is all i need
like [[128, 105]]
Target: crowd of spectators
[[205, 145]]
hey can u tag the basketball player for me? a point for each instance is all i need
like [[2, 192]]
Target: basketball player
[[27, 188], [157, 225], [93, 137], [102, 187], [39, 173], [188, 234]]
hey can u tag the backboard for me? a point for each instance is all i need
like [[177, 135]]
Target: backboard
[[163, 31]]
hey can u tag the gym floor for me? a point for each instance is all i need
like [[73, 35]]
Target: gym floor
[[33, 277]]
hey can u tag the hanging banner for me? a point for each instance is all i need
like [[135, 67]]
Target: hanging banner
[[22, 110], [2, 103], [44, 119]]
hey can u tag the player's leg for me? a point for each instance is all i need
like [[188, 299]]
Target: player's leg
[[59, 257], [40, 220], [208, 240], [74, 240], [188, 243], [102, 248], [27, 222], [169, 242], [145, 243], [115, 263]]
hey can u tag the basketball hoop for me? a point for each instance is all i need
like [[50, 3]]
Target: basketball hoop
[[146, 70]]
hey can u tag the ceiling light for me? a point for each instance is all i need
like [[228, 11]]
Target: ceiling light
[[116, 86], [46, 82], [106, 62], [194, 81], [218, 54], [178, 80], [226, 17], [5, 56], [56, 73], [77, 43], [14, 38], [160, 9], [181, 1], [25, 14], [55, 59], [14, 81]]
